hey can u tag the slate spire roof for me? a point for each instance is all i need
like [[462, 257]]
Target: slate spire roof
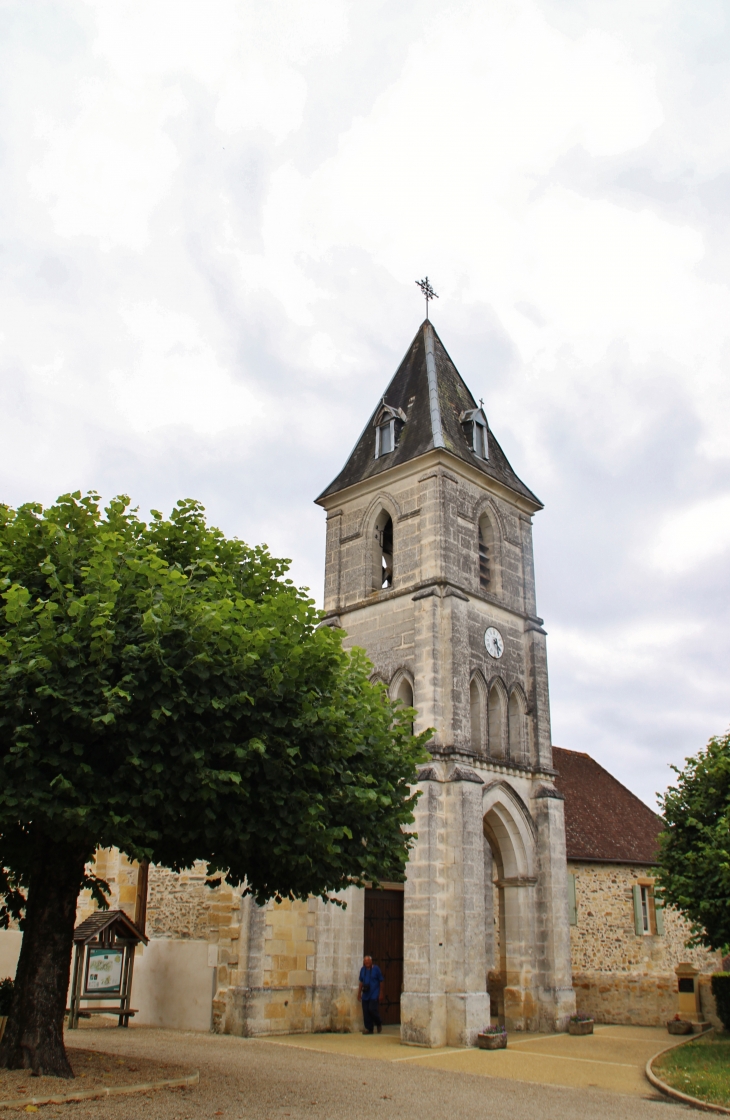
[[430, 393]]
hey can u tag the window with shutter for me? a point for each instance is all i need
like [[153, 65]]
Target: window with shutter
[[638, 915], [572, 900], [642, 909]]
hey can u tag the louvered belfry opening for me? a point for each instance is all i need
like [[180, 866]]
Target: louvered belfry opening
[[384, 943], [383, 570], [484, 557]]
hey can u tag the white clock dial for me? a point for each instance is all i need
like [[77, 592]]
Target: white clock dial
[[494, 641]]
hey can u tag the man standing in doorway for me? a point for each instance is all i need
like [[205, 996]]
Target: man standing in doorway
[[369, 993]]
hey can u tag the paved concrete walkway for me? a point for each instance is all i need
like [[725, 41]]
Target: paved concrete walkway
[[335, 1077], [612, 1058]]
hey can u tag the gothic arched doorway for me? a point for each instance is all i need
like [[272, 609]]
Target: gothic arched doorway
[[509, 905]]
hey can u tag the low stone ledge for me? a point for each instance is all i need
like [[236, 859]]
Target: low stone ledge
[[101, 1092]]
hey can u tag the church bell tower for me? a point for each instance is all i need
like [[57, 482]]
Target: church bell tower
[[429, 568]]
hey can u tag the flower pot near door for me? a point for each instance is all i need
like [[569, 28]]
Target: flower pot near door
[[580, 1026], [679, 1026], [492, 1040]]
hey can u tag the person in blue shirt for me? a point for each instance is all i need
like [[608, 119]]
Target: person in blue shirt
[[369, 994]]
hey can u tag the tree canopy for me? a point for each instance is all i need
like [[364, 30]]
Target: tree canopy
[[694, 854], [166, 690]]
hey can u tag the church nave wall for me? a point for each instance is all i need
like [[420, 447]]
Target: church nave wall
[[620, 976]]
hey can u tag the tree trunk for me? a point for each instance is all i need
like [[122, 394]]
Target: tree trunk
[[34, 1032]]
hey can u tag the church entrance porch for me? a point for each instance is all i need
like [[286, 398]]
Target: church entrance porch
[[383, 941], [484, 900], [509, 908]]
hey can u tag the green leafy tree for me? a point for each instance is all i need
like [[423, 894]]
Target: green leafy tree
[[167, 691], [694, 854]]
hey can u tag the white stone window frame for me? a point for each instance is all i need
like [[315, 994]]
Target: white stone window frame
[[648, 911], [389, 425]]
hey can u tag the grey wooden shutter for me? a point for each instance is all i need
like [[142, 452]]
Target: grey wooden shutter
[[572, 900], [659, 915], [638, 915]]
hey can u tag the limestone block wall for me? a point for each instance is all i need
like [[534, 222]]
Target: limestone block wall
[[619, 976], [435, 510], [183, 974], [297, 968], [121, 874], [436, 506]]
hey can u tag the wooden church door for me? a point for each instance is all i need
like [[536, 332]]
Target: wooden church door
[[384, 943]]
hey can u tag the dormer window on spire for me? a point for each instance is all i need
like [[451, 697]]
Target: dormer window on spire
[[388, 423], [385, 438], [474, 424]]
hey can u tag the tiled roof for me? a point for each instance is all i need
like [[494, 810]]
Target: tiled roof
[[432, 420], [101, 920], [604, 821]]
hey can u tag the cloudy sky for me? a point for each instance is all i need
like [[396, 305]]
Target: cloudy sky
[[211, 220]]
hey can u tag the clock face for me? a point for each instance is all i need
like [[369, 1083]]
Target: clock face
[[494, 641]]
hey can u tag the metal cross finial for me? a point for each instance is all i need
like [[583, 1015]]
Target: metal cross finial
[[427, 290]]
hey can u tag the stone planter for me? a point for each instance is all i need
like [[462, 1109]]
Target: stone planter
[[583, 1026], [492, 1041], [3, 1021], [679, 1026]]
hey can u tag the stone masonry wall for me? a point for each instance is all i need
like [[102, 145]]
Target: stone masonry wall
[[121, 874], [619, 976]]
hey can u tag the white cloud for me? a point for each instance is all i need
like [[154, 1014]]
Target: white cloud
[[178, 379], [692, 536], [211, 218], [621, 652]]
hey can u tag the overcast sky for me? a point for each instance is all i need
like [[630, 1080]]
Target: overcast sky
[[211, 219]]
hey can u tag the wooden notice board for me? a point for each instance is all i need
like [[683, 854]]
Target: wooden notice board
[[384, 943]]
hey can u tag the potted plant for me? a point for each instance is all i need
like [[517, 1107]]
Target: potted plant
[[679, 1026], [580, 1024], [6, 996], [492, 1038]]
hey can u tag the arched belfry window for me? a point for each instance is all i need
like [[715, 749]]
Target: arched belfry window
[[383, 552], [486, 553], [404, 693]]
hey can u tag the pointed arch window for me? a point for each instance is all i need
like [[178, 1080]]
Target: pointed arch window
[[476, 715], [516, 717], [404, 693], [383, 552], [496, 720], [486, 553]]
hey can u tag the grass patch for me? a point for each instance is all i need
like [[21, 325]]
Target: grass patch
[[699, 1069]]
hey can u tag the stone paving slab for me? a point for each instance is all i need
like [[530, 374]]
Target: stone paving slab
[[305, 1078], [612, 1058]]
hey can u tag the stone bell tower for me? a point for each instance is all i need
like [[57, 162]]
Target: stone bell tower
[[429, 567]]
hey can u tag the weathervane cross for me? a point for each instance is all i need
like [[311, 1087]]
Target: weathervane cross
[[427, 290]]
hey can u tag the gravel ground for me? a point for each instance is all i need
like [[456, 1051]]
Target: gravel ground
[[93, 1070], [256, 1080]]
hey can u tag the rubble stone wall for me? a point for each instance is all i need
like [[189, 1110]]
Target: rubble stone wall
[[619, 976]]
